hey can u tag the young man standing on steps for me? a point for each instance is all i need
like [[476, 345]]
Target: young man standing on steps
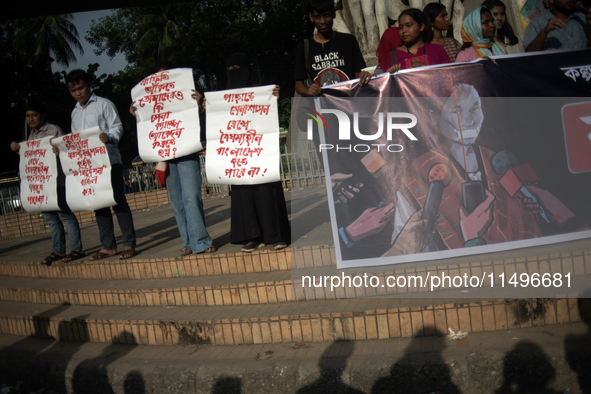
[[90, 111], [332, 56]]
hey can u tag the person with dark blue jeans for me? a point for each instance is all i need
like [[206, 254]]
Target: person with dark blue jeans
[[91, 111], [35, 116], [56, 221]]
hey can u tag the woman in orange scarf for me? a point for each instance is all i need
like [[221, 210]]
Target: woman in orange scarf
[[478, 32]]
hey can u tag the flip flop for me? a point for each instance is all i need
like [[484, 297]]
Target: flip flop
[[51, 258], [74, 255], [99, 256], [127, 254], [211, 249], [186, 252]]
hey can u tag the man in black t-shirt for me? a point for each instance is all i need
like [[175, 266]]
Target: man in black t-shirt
[[332, 57]]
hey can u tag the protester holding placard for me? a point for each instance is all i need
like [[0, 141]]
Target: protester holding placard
[[259, 212], [35, 116], [94, 111], [183, 184], [416, 49]]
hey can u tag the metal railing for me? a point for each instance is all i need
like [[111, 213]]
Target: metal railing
[[140, 178], [10, 200], [300, 167]]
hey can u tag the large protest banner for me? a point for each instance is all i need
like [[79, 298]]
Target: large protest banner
[[456, 160], [242, 136], [87, 167], [38, 171], [167, 117]]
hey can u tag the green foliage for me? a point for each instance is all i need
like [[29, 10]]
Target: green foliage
[[200, 35], [37, 39]]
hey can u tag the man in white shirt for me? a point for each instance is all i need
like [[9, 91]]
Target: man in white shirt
[[90, 111]]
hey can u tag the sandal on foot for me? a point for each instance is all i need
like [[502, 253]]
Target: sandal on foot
[[74, 255], [100, 255], [186, 252], [252, 246], [211, 249], [51, 258], [127, 254]]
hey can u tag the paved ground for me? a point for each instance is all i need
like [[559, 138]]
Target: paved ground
[[548, 359], [532, 360], [158, 235]]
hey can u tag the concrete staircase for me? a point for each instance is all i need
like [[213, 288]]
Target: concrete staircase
[[237, 298]]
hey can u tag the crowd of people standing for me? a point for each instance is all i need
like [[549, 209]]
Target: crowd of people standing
[[258, 213]]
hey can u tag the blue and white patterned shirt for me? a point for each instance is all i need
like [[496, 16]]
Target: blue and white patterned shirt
[[47, 130]]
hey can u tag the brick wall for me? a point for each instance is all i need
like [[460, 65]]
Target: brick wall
[[24, 224]]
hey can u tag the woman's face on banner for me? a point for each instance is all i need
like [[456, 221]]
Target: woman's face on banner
[[461, 122]]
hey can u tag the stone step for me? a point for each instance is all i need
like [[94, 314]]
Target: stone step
[[243, 289], [308, 321], [194, 265], [275, 286]]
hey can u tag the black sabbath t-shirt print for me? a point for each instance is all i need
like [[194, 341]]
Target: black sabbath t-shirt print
[[327, 67], [335, 61]]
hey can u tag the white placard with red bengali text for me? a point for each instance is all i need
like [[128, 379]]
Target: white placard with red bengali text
[[167, 116], [38, 172], [242, 136], [85, 161]]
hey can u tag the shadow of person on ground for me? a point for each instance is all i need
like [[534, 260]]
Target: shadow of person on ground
[[419, 372], [576, 347], [92, 376], [331, 371], [134, 383], [227, 386], [38, 362], [527, 370]]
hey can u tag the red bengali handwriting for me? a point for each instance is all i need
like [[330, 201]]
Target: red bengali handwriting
[[163, 143], [240, 152], [36, 200], [35, 153], [159, 87], [242, 110], [251, 136], [238, 125], [38, 178], [74, 142], [33, 144], [243, 172], [160, 117], [168, 124], [239, 162], [88, 172], [155, 78], [160, 135], [160, 98], [83, 153], [238, 97], [35, 172], [37, 169], [165, 153]]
